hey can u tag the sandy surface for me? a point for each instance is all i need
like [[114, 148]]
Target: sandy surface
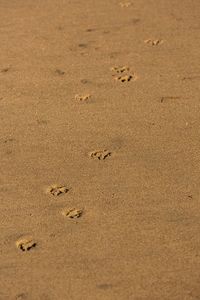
[[99, 150]]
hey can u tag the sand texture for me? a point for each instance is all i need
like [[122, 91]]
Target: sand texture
[[99, 150]]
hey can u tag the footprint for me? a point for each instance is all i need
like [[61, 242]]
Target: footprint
[[5, 70], [85, 81], [25, 243], [135, 21], [21, 296], [60, 28], [120, 69], [163, 99], [83, 45], [100, 154], [8, 140], [104, 286], [125, 4], [59, 72], [82, 97], [191, 77], [72, 213], [42, 122], [57, 190], [90, 29], [125, 78], [153, 42]]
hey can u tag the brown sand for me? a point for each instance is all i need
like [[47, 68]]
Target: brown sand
[[100, 149]]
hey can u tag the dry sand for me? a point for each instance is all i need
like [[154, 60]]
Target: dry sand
[[99, 150]]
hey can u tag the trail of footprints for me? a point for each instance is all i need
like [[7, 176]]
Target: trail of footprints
[[28, 243], [121, 74]]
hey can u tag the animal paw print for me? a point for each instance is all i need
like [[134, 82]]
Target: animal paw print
[[122, 74], [125, 4], [153, 42], [21, 296], [57, 190], [59, 72], [100, 154], [72, 213], [125, 78], [120, 70], [25, 244], [82, 97], [5, 70]]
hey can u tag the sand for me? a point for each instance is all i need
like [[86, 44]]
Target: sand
[[99, 150]]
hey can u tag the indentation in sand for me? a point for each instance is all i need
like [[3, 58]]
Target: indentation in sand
[[120, 69], [25, 243], [83, 45], [104, 286], [90, 29], [82, 97], [100, 154], [5, 70], [192, 77], [122, 74], [85, 81], [125, 4], [165, 98], [57, 190], [59, 72], [125, 78], [153, 42], [21, 296], [72, 213]]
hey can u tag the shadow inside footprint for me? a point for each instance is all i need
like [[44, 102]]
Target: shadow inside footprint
[[123, 74], [125, 78]]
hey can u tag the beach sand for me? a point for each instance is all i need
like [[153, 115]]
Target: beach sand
[[99, 150]]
